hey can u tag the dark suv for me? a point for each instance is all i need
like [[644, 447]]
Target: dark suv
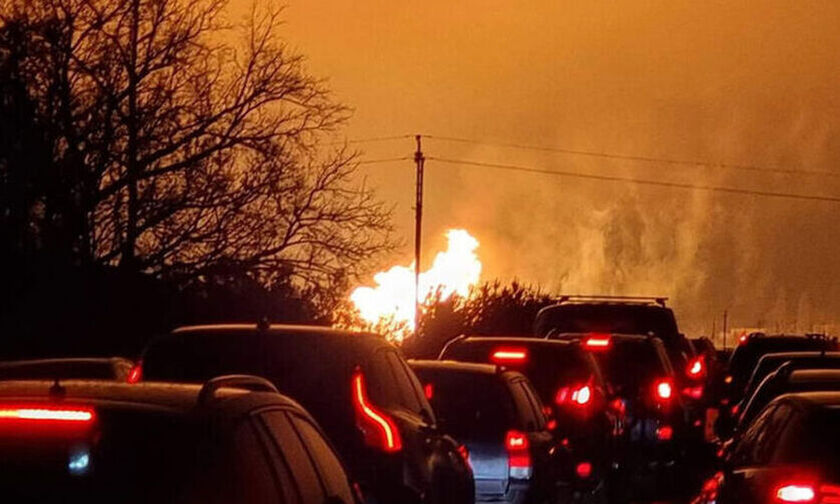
[[569, 382], [653, 422], [102, 442], [497, 415], [356, 385]]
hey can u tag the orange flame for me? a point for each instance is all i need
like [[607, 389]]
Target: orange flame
[[454, 271]]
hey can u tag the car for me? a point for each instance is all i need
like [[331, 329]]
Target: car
[[356, 385], [232, 440], [114, 368], [753, 346], [569, 383], [745, 357], [787, 379], [627, 315], [656, 434], [789, 454], [769, 363], [497, 415]]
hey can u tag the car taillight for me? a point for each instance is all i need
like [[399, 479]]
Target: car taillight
[[519, 454], [802, 493], [597, 342], [135, 374], [583, 470], [378, 429], [663, 390], [711, 488], [39, 413], [465, 455], [664, 433], [509, 355], [429, 390], [579, 395], [696, 367], [693, 392]]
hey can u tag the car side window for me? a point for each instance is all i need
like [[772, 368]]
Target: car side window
[[418, 390], [766, 441], [292, 454], [536, 404], [743, 454], [523, 406], [380, 381], [255, 481], [329, 466]]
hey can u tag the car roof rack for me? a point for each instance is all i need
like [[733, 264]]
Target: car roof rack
[[577, 298], [246, 382]]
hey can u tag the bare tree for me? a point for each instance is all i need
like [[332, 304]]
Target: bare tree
[[191, 144]]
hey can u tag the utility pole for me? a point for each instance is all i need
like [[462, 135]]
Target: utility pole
[[725, 320], [419, 160]]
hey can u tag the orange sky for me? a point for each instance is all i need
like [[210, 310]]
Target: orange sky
[[738, 82]]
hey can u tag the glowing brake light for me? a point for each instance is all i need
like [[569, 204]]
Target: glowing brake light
[[47, 413], [693, 392], [507, 355], [665, 433], [519, 455], [664, 390], [582, 395], [697, 367], [379, 429], [428, 391], [796, 493], [584, 470], [598, 341], [135, 374]]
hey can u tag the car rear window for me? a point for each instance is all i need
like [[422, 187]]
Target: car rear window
[[630, 365], [606, 318], [129, 456], [470, 406], [548, 367], [53, 370], [815, 441]]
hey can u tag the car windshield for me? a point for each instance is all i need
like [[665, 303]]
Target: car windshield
[[470, 406], [547, 367], [128, 457]]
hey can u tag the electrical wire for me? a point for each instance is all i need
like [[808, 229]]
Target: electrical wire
[[659, 183], [386, 160], [644, 159]]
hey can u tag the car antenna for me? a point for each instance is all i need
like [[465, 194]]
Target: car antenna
[[56, 389]]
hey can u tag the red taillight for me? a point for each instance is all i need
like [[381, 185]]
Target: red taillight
[[742, 339], [519, 454], [663, 390], [551, 424], [135, 374], [618, 406], [465, 455], [579, 395], [583, 470], [693, 392], [509, 355], [710, 489], [377, 427], [665, 433], [597, 341], [802, 493], [39, 413], [696, 367], [428, 390]]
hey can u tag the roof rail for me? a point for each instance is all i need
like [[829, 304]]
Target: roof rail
[[449, 342], [247, 382], [660, 300]]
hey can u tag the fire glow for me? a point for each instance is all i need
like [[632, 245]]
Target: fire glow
[[453, 271]]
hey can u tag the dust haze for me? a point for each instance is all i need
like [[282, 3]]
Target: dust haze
[[754, 83]]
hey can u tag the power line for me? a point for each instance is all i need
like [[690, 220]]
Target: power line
[[371, 139], [644, 159], [386, 160], [610, 178]]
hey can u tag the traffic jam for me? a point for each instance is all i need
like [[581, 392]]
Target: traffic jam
[[605, 402]]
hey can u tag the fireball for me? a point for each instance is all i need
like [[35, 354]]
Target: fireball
[[392, 300]]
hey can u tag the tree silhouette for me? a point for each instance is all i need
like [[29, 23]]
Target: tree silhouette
[[164, 139]]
